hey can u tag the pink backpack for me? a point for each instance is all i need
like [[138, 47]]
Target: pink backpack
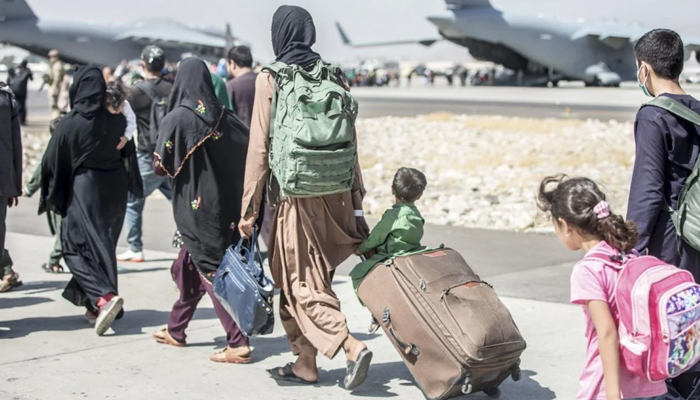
[[659, 312]]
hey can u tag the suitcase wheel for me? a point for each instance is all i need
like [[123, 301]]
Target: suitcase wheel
[[515, 373], [467, 386], [493, 392]]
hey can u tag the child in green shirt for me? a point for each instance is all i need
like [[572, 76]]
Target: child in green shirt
[[400, 230]]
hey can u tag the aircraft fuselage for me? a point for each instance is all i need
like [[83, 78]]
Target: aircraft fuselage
[[79, 42], [530, 43]]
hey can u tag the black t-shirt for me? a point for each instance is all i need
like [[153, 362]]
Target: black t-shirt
[[140, 102], [242, 93]]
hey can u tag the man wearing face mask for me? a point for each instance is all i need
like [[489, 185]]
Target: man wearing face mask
[[667, 148]]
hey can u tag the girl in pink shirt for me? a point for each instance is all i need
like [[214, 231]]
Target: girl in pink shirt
[[583, 221]]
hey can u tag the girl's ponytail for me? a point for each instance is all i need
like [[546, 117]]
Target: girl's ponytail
[[618, 233]]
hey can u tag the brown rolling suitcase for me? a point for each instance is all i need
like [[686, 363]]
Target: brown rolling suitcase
[[450, 328]]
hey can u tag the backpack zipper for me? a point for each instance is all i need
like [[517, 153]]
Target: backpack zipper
[[641, 289]]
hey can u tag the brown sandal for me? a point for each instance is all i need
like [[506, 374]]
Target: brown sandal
[[233, 355], [10, 282], [162, 336]]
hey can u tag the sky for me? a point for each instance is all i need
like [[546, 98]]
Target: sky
[[363, 20]]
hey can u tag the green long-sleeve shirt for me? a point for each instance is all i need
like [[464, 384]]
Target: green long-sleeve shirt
[[398, 233], [221, 92], [399, 230]]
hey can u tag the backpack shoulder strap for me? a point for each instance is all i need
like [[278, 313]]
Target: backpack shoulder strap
[[606, 259], [676, 108], [149, 88]]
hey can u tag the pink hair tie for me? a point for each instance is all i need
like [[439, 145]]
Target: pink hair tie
[[602, 210]]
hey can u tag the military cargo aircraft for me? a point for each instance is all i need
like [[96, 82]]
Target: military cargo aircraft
[[105, 44], [540, 50]]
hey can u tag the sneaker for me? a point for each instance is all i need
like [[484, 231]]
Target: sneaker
[[131, 256], [108, 313]]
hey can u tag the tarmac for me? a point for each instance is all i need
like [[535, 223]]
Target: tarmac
[[574, 102], [48, 351]]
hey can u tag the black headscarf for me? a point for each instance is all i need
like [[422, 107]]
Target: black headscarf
[[203, 147], [293, 34], [193, 91], [77, 134]]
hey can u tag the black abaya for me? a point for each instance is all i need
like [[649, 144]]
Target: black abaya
[[90, 232], [203, 148], [84, 180]]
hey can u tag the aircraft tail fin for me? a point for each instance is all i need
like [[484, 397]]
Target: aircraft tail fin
[[230, 39], [15, 9], [458, 4], [343, 36]]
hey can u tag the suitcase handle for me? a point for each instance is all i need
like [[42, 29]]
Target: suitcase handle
[[469, 284], [407, 349]]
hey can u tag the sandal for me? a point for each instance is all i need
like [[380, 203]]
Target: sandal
[[373, 327], [162, 336], [226, 356], [357, 370], [52, 269], [10, 282], [287, 375]]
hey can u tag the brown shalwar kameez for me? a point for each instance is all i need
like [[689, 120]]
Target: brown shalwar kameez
[[310, 238]]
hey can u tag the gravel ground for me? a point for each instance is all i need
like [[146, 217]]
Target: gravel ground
[[483, 172]]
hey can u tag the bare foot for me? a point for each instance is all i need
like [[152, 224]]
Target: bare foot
[[353, 348], [305, 368]]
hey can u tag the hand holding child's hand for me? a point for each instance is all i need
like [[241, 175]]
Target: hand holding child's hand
[[122, 142]]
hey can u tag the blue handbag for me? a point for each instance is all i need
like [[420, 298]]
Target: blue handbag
[[243, 289]]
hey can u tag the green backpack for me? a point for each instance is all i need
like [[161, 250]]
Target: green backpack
[[687, 218], [312, 146]]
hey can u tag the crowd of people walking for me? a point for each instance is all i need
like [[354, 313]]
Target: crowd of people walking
[[213, 150]]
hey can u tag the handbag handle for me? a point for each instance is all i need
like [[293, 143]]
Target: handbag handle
[[250, 252]]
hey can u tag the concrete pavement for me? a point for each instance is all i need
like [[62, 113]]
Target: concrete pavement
[[49, 351]]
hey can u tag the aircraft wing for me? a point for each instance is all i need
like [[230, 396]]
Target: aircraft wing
[[691, 43], [346, 40], [172, 35], [613, 35], [616, 36]]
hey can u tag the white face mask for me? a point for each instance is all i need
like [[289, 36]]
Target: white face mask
[[643, 85]]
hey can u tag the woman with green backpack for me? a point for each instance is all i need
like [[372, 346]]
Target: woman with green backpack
[[303, 145]]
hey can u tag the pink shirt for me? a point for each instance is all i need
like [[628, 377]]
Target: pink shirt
[[592, 280]]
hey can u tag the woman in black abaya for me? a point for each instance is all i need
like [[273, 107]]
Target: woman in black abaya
[[85, 180], [202, 147]]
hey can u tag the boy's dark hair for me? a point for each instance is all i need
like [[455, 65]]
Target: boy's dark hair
[[241, 56], [409, 184], [663, 50], [573, 200], [115, 94]]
